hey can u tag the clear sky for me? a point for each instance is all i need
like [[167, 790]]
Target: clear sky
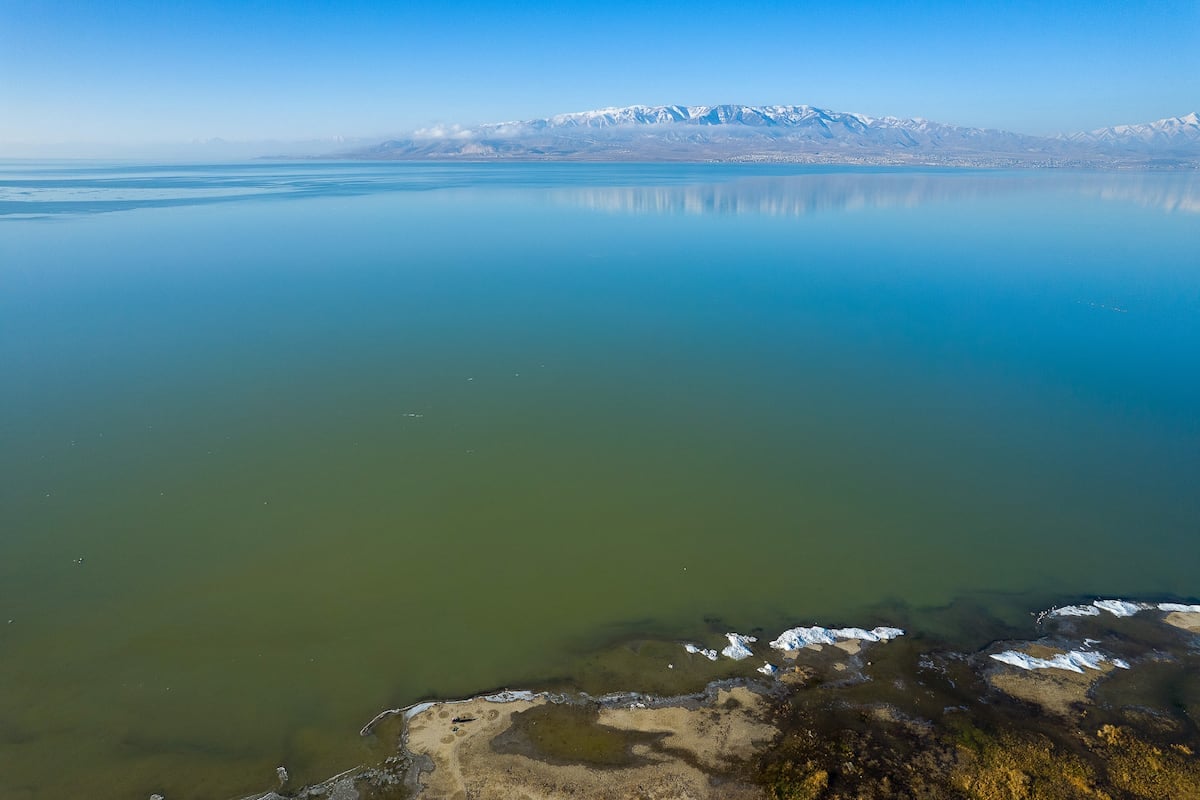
[[132, 73]]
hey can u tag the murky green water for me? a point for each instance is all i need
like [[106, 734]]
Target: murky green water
[[283, 445]]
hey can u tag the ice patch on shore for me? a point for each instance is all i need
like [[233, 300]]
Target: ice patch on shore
[[880, 634], [795, 638], [412, 711], [1075, 611], [737, 649], [1181, 608], [1072, 661], [1119, 608], [711, 655], [508, 696], [768, 668]]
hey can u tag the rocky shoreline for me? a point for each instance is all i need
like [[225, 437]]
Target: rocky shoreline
[[1104, 704]]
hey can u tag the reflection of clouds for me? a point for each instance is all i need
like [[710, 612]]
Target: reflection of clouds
[[801, 195]]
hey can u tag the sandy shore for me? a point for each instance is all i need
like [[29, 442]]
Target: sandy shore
[[481, 749]]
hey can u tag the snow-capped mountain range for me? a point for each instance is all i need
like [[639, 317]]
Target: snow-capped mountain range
[[1172, 132], [789, 133], [755, 116]]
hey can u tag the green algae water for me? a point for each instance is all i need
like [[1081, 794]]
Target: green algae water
[[282, 445]]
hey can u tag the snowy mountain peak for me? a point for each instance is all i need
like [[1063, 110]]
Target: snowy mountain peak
[[1171, 131], [797, 133], [781, 116]]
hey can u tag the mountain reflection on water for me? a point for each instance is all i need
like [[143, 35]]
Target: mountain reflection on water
[[32, 190], [800, 195]]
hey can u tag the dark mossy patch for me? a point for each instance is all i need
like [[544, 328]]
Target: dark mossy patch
[[566, 733]]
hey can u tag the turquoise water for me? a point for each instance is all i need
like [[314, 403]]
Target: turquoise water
[[282, 445]]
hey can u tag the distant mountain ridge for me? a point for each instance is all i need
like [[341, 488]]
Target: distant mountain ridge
[[798, 133], [1170, 133], [765, 116]]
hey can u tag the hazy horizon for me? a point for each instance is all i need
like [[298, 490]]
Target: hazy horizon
[[159, 80], [239, 149]]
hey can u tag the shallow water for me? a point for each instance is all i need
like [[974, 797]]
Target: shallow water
[[285, 444]]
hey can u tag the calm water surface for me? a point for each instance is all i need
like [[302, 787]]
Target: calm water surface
[[285, 444]]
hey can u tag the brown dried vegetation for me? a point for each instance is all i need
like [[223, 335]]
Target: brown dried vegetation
[[905, 760]]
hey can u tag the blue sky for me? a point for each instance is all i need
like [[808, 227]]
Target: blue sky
[[133, 73]]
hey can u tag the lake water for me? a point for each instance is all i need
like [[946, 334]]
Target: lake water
[[282, 445]]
